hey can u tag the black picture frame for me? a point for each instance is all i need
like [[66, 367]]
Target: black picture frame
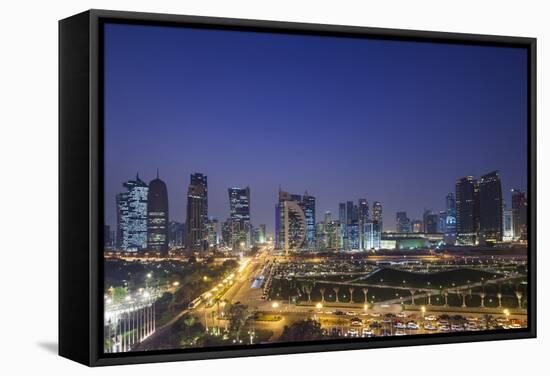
[[81, 170]]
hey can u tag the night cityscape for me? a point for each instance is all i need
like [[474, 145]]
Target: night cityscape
[[296, 197]]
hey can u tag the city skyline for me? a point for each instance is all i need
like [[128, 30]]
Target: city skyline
[[385, 132]]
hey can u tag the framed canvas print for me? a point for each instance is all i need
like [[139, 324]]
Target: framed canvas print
[[239, 187]]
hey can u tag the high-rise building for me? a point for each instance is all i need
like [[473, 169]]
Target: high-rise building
[[431, 222], [291, 225], [466, 209], [372, 232], [259, 234], [308, 206], [377, 214], [402, 222], [176, 234], [490, 207], [239, 214], [508, 225], [197, 213], [239, 204], [353, 235], [107, 237], [342, 216], [519, 214], [450, 220], [157, 216], [132, 216], [226, 233], [212, 232], [417, 226], [363, 214]]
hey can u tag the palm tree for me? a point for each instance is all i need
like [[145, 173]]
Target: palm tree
[[463, 293], [445, 294], [351, 290], [519, 295], [365, 291], [482, 296], [429, 298], [412, 291], [336, 289], [322, 291], [499, 296]]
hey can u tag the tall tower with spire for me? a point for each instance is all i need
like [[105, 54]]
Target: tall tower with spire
[[157, 216]]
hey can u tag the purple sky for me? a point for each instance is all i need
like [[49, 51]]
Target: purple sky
[[396, 122]]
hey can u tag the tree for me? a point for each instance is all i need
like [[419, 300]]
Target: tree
[[238, 314], [336, 290], [322, 291], [365, 291], [306, 330]]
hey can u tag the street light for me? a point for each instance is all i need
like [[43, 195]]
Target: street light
[[423, 311], [176, 284], [275, 305], [507, 313], [318, 306]]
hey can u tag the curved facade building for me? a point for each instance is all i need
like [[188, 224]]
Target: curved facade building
[[157, 217]]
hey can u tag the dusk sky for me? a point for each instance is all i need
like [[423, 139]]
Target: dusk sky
[[395, 122]]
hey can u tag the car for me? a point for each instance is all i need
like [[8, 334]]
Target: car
[[429, 326], [400, 325], [367, 332], [352, 332], [356, 323], [430, 318], [338, 313], [443, 323], [444, 328], [351, 313], [401, 314], [515, 326], [457, 328], [400, 333], [374, 314], [412, 325]]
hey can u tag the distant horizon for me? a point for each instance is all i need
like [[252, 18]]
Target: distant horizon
[[341, 118]]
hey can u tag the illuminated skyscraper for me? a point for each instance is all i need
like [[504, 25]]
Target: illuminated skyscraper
[[450, 221], [212, 232], [132, 216], [377, 214], [291, 225], [490, 208], [157, 217], [507, 225], [519, 214], [431, 222], [466, 216], [417, 226], [402, 222], [353, 235], [197, 213], [363, 214], [343, 225], [239, 213], [308, 206], [176, 234], [372, 235]]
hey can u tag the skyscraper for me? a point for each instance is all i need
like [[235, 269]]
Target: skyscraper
[[291, 225], [342, 216], [239, 214], [507, 225], [308, 206], [212, 232], [431, 222], [490, 207], [132, 216], [176, 234], [402, 222], [450, 221], [377, 214], [353, 235], [363, 214], [466, 216], [197, 212], [157, 216], [372, 235], [239, 204], [519, 214]]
